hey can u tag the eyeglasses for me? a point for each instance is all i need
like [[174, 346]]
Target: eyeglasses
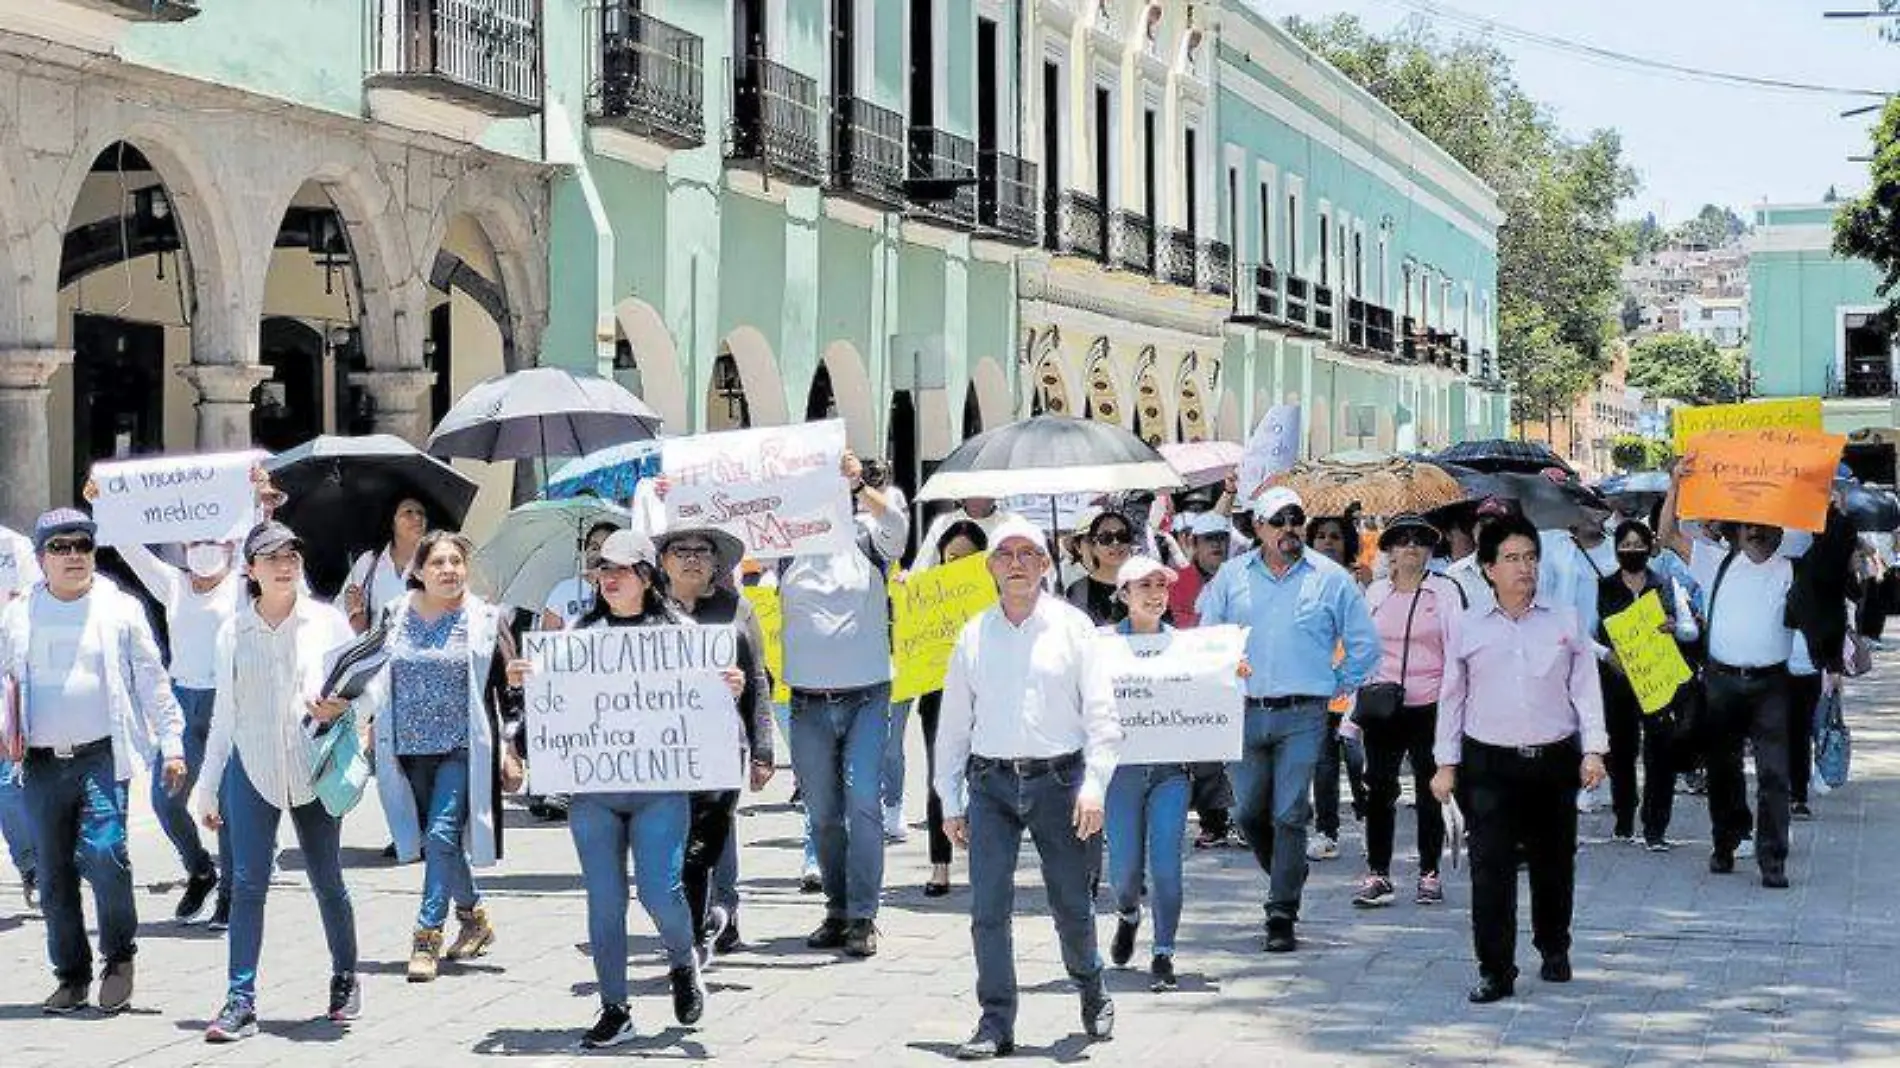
[[1287, 517], [69, 547], [690, 552], [1410, 540], [1113, 537], [1018, 557]]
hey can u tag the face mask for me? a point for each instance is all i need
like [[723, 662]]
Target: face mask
[[1632, 560], [205, 561]]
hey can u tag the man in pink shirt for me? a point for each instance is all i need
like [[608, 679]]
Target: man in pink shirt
[[1520, 727]]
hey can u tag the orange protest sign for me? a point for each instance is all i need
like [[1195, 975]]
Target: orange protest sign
[[1780, 476]]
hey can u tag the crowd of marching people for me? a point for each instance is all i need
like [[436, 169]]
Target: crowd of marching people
[[1464, 650]]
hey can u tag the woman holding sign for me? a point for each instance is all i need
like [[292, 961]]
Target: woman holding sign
[[268, 670], [444, 720]]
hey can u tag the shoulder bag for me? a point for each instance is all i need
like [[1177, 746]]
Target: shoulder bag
[[1381, 702]]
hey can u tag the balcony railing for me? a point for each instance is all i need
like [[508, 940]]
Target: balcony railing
[[1299, 301], [144, 10], [1862, 385], [1217, 268], [1081, 229], [1381, 337], [1257, 295], [1131, 240], [1175, 264], [935, 153], [650, 79], [484, 54], [1006, 196], [1411, 341], [867, 152], [1323, 309], [775, 119]]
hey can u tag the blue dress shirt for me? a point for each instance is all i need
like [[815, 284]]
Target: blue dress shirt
[[1295, 622]]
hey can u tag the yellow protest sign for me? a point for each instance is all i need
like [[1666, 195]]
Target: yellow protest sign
[[929, 609], [765, 605], [1802, 413], [1648, 653]]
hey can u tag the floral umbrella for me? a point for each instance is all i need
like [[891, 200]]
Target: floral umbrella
[[1381, 484]]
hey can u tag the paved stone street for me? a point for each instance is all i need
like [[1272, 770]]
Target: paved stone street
[[1674, 966]]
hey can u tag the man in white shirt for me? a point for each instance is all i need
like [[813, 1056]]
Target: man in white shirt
[[18, 573], [1463, 569], [1027, 742], [1749, 643]]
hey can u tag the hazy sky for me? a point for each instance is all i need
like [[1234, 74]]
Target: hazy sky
[[1691, 141]]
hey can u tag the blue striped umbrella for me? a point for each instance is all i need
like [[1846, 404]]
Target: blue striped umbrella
[[610, 473]]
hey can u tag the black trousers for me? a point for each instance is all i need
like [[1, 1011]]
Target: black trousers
[[1870, 614], [1804, 699], [1749, 711], [929, 710], [1634, 734], [1212, 796], [1407, 736], [710, 824], [1520, 801], [1333, 753]]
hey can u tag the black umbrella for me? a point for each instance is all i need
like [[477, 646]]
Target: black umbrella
[[1497, 455], [1477, 485], [1553, 505], [1047, 455], [1873, 511], [342, 493], [542, 412]]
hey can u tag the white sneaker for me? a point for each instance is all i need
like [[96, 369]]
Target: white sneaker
[[894, 829], [1745, 849], [1322, 847]]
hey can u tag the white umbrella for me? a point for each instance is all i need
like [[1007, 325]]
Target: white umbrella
[[537, 546]]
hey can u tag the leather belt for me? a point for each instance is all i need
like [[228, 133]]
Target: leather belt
[[850, 693], [1768, 672], [1027, 767], [1279, 703], [69, 752], [1529, 752]]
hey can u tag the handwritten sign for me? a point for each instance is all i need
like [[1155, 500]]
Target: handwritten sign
[[929, 610], [771, 612], [1176, 694], [1780, 476], [1652, 663], [633, 710], [1273, 447], [1798, 413], [175, 499], [777, 489]]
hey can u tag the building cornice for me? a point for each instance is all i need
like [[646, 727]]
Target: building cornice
[[1086, 287]]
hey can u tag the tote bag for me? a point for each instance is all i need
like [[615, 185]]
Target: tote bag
[[340, 766]]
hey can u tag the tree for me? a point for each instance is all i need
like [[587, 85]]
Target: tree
[[1560, 248], [1689, 369], [1644, 236], [1632, 453], [1631, 315], [1869, 226], [1712, 227]]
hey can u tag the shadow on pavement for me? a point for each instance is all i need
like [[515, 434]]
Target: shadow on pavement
[[522, 1042]]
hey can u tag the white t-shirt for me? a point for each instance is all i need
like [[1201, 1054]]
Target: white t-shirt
[[19, 569], [571, 599], [388, 587], [1746, 615], [191, 618], [65, 690]]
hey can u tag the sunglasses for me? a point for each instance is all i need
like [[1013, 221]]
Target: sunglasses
[[1411, 540], [690, 552], [69, 547], [1113, 537], [1287, 517]]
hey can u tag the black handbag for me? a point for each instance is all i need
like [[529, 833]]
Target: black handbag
[[1381, 702]]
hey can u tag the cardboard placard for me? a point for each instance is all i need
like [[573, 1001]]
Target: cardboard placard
[[930, 609], [1176, 694], [1795, 413], [1780, 476], [1651, 661], [175, 499], [777, 489], [771, 612]]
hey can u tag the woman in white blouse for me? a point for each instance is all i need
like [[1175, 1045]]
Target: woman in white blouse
[[269, 663]]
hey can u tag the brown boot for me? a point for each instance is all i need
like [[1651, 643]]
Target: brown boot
[[474, 937], [422, 957]]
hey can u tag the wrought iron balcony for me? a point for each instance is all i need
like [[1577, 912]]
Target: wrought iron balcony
[[1868, 383], [1217, 267], [1175, 264], [867, 152], [1381, 335], [144, 10], [1257, 295], [1411, 341], [936, 153], [1131, 242], [482, 54], [1323, 309], [1006, 197], [1080, 226], [775, 120], [1299, 301], [650, 79]]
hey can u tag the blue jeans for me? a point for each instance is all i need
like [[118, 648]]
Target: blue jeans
[[653, 827], [1003, 805], [440, 786], [252, 823], [1271, 784], [893, 773], [174, 810], [15, 826], [1147, 824], [77, 808], [783, 713], [837, 752]]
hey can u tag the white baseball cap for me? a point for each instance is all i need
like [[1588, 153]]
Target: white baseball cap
[[1140, 567], [1202, 524], [1275, 500], [625, 548], [1016, 528]]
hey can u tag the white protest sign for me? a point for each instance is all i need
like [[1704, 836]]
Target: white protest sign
[[1176, 694], [777, 489], [171, 499], [1273, 447], [632, 710]]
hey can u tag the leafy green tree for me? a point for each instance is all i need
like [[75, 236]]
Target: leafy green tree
[[1644, 236], [1713, 227], [1560, 248], [1631, 315], [1685, 368], [1632, 453], [1869, 226]]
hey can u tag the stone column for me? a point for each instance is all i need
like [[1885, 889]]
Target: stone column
[[26, 476], [224, 402], [402, 402]]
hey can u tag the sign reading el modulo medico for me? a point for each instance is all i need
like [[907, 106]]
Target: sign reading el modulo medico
[[175, 499], [633, 710], [1176, 694]]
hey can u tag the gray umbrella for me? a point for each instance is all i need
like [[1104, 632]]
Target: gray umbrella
[[1049, 454], [542, 412]]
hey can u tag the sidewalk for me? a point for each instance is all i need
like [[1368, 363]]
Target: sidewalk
[[1674, 965]]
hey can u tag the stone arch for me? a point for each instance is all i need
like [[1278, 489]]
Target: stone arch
[[661, 384], [382, 260], [851, 389], [758, 375], [495, 202], [991, 388]]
